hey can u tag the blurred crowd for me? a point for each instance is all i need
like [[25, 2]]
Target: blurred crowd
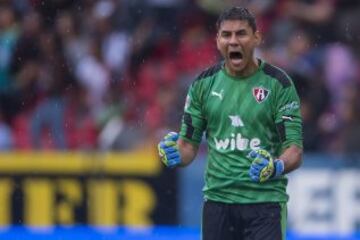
[[113, 74]]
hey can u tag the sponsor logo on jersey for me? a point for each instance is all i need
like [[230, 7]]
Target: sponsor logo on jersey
[[218, 94], [260, 94], [237, 142], [290, 107], [236, 121]]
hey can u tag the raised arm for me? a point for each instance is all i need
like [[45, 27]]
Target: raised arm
[[265, 167], [175, 152], [187, 151], [292, 158]]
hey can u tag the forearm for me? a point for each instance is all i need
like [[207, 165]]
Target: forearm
[[292, 157], [187, 152]]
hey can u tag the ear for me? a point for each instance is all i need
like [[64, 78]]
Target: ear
[[258, 37], [217, 41]]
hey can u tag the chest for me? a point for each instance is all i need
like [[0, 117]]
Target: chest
[[239, 103]]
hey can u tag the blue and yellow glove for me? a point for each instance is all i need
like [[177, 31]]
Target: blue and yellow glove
[[168, 150], [264, 167]]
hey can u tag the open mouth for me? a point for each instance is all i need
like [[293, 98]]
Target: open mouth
[[235, 55]]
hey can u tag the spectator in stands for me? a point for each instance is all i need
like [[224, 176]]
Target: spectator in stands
[[6, 135], [140, 48], [47, 121]]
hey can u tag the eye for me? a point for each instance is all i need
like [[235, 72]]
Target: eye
[[242, 32], [225, 34]]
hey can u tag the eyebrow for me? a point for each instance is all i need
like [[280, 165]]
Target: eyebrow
[[238, 31]]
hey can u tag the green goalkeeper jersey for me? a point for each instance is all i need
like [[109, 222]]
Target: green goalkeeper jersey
[[239, 115]]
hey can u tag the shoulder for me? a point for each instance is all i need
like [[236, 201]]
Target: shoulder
[[209, 72], [277, 74]]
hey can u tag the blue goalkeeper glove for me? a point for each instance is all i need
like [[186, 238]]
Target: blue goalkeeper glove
[[168, 150], [264, 167]]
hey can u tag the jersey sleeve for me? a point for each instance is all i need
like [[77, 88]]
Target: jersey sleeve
[[193, 122], [288, 117]]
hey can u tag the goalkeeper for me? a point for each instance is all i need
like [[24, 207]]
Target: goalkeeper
[[250, 112]]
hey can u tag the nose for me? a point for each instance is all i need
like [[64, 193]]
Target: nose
[[233, 40]]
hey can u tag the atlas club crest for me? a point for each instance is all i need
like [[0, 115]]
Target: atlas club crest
[[260, 94]]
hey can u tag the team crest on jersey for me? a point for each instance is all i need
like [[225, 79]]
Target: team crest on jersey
[[260, 94]]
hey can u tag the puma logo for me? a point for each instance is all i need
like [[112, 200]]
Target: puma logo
[[288, 118], [219, 95]]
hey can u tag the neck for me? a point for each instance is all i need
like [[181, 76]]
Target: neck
[[248, 70]]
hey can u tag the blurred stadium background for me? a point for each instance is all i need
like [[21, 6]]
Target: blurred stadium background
[[88, 87]]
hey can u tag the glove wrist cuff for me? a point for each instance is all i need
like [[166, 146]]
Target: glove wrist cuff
[[279, 168]]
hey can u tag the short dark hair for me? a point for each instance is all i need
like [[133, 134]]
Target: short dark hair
[[237, 13]]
